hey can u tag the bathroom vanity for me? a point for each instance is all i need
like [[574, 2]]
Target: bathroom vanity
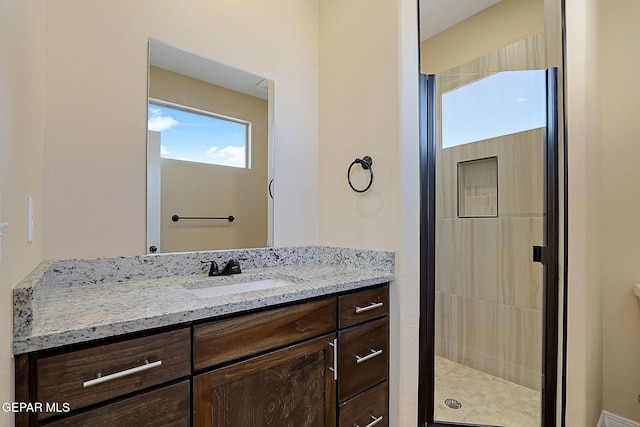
[[310, 350]]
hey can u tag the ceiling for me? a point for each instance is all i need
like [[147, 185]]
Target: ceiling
[[438, 15]]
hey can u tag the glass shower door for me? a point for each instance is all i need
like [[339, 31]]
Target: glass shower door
[[490, 207]]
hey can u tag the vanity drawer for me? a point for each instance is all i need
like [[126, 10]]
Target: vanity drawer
[[92, 375], [237, 337], [168, 406], [363, 305], [363, 357], [367, 409]]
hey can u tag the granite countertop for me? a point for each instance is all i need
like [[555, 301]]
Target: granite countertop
[[73, 301]]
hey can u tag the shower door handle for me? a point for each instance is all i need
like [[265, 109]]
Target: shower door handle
[[540, 254]]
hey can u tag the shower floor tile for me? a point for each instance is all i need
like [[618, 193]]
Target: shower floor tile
[[486, 400]]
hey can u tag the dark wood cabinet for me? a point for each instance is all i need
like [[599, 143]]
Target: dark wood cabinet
[[363, 357], [318, 363], [293, 386], [231, 339], [367, 409], [360, 306], [84, 377], [166, 407]]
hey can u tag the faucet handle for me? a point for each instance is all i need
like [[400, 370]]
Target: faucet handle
[[214, 267], [231, 267]]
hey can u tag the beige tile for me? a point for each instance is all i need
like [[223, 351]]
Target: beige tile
[[467, 257], [518, 345], [502, 340], [449, 326], [465, 330], [519, 278], [478, 330], [478, 188], [520, 174], [527, 54], [486, 400], [449, 261]]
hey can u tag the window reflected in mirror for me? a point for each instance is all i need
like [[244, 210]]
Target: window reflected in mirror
[[199, 136]]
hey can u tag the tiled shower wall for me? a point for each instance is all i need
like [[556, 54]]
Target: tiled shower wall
[[488, 290]]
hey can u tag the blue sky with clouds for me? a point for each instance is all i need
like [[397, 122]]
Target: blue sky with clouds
[[500, 104], [198, 138]]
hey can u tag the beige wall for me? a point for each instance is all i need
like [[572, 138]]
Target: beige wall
[[21, 161], [584, 353], [368, 106], [197, 189], [500, 25], [96, 84], [618, 83]]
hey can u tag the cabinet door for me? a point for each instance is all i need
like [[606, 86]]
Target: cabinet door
[[166, 407], [292, 387]]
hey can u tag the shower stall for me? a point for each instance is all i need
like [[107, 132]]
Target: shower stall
[[489, 244]]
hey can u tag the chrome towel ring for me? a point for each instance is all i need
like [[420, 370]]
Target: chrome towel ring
[[366, 162]]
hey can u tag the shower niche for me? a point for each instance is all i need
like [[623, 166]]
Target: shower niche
[[478, 188]]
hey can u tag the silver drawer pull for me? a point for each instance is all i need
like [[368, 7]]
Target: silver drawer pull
[[372, 423], [372, 306], [120, 374], [334, 344], [373, 354]]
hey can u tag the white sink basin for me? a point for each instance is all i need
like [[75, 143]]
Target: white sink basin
[[235, 288]]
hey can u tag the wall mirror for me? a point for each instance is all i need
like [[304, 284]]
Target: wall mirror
[[209, 154]]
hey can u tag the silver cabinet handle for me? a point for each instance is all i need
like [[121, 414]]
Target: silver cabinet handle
[[371, 306], [334, 344], [100, 379], [372, 423], [374, 353]]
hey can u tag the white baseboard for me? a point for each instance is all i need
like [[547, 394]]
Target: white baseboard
[[607, 419]]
